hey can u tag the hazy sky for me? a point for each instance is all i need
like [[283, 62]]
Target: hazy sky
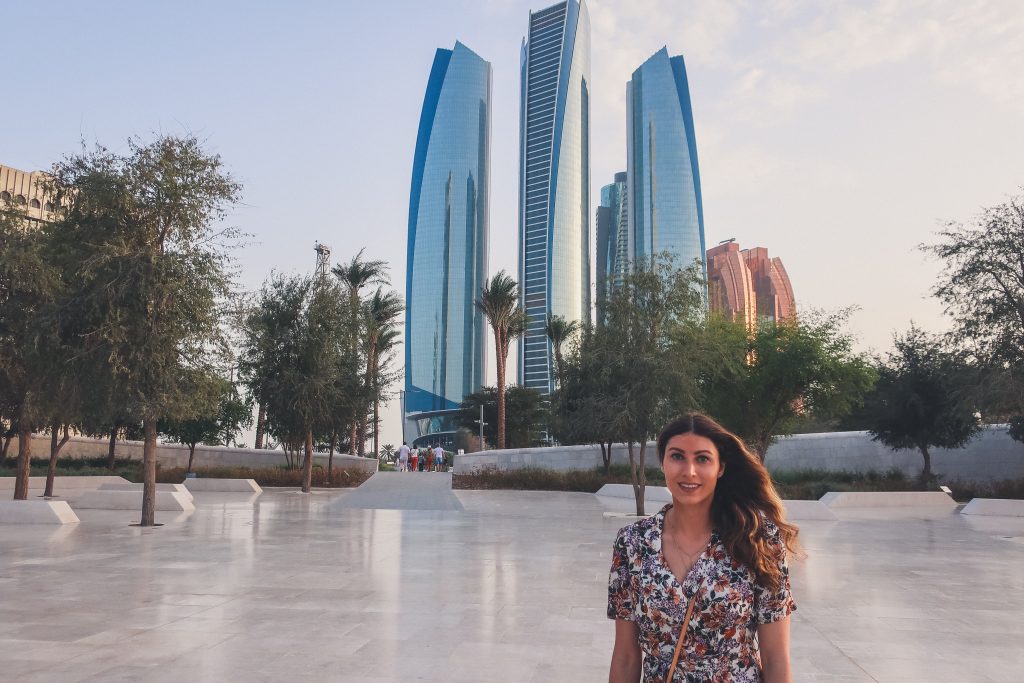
[[837, 135]]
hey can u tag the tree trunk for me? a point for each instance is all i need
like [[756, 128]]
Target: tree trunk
[[149, 473], [926, 474], [353, 430], [376, 428], [191, 454], [362, 435], [369, 385], [307, 463], [501, 396], [7, 443], [638, 476], [261, 425], [24, 458], [110, 448], [330, 456], [606, 455], [55, 447]]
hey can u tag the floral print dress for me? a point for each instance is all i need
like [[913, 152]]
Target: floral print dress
[[720, 641]]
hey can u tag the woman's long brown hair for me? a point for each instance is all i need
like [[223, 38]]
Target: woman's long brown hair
[[744, 498]]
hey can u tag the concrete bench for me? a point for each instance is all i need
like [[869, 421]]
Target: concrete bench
[[994, 507], [222, 485], [170, 501], [808, 510], [657, 494], [887, 499], [36, 512]]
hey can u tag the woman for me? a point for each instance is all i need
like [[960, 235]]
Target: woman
[[715, 554]]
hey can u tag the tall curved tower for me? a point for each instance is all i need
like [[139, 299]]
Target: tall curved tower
[[554, 180], [666, 212], [447, 251]]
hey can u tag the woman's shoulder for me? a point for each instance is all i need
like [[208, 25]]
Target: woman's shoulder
[[639, 534]]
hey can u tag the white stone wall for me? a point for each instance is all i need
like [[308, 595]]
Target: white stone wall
[[991, 455], [176, 455]]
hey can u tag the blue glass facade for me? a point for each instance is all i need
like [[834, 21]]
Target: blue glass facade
[[445, 338], [665, 207], [554, 201], [612, 237]]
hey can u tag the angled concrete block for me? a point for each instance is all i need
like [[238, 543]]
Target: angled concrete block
[[994, 507], [887, 499], [170, 501], [806, 510], [36, 512], [657, 494], [223, 485]]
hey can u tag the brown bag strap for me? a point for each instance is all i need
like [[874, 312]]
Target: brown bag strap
[[682, 638]]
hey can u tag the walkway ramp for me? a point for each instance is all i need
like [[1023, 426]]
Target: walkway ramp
[[404, 491]]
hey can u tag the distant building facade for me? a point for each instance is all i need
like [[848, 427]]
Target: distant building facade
[[666, 212], [612, 238], [24, 191], [445, 340], [554, 181], [747, 285]]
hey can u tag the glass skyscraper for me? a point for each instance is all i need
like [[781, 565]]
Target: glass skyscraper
[[665, 208], [612, 238], [554, 181], [447, 251]]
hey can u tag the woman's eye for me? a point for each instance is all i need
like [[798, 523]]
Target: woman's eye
[[703, 458]]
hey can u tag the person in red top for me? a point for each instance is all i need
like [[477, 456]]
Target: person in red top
[[414, 458]]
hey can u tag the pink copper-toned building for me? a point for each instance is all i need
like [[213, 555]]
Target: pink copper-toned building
[[748, 285]]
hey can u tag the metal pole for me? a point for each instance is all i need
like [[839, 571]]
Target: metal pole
[[483, 445]]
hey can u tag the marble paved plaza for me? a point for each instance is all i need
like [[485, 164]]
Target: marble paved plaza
[[292, 587]]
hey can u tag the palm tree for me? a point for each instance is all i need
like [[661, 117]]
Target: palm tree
[[381, 313], [355, 275], [559, 331], [387, 341], [499, 301]]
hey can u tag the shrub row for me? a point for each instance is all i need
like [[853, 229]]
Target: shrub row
[[792, 485], [132, 471], [270, 476]]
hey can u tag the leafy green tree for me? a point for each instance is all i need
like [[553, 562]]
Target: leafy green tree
[[646, 383], [151, 271], [583, 408], [918, 401], [302, 394], [269, 326], [499, 302], [28, 286], [761, 382], [222, 415], [982, 288], [526, 415]]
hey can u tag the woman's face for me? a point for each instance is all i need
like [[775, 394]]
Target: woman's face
[[692, 468]]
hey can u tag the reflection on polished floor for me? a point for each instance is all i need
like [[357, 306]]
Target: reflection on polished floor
[[292, 587]]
